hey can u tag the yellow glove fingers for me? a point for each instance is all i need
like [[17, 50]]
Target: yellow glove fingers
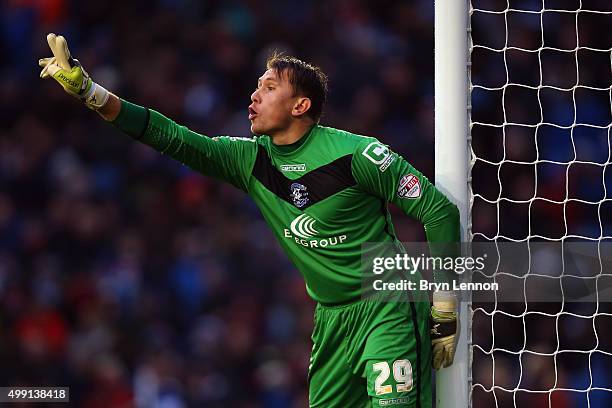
[[45, 63], [64, 53], [51, 41], [74, 79], [52, 69], [443, 352], [444, 329], [58, 50], [436, 358]]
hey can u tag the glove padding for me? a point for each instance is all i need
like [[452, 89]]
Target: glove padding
[[70, 74], [444, 328]]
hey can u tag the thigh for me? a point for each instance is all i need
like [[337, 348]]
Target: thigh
[[396, 356], [331, 382]]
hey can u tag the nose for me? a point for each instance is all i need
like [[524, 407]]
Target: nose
[[255, 96]]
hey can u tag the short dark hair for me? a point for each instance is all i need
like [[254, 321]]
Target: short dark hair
[[306, 79]]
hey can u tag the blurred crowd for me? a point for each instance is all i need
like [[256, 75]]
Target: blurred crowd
[[138, 282], [125, 274]]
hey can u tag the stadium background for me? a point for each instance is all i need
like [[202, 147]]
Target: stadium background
[[137, 281]]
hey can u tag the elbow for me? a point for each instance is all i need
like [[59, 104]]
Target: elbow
[[447, 221], [455, 221], [454, 213], [446, 215], [453, 216]]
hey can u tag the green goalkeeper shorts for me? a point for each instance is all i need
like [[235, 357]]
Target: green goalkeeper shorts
[[371, 354]]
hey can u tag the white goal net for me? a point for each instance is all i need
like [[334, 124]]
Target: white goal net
[[541, 171]]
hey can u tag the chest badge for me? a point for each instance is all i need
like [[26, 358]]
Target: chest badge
[[299, 194]]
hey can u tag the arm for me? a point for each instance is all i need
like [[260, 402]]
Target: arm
[[387, 175], [110, 110], [228, 159]]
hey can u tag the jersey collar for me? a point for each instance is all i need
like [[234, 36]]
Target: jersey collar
[[296, 146]]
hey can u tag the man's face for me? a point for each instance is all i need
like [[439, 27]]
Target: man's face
[[272, 104]]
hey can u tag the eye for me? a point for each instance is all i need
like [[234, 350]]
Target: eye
[[270, 88]]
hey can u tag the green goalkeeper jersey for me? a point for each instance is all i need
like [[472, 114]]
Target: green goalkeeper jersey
[[322, 199]]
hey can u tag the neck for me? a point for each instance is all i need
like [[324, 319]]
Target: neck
[[291, 134]]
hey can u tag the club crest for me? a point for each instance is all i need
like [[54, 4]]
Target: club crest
[[299, 194]]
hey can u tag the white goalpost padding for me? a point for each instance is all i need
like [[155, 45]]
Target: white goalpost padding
[[451, 167]]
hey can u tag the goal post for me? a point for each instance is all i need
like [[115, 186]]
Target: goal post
[[451, 168]]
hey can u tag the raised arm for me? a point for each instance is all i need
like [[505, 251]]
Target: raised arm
[[110, 110], [225, 158]]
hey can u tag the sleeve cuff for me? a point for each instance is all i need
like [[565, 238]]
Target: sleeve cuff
[[132, 119]]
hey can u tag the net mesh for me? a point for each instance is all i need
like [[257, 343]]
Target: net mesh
[[541, 109]]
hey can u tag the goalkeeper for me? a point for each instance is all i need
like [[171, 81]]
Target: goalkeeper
[[324, 193]]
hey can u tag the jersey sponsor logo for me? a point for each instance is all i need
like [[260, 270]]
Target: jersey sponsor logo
[[303, 226], [409, 187], [299, 194], [293, 167], [302, 230], [393, 401], [379, 154]]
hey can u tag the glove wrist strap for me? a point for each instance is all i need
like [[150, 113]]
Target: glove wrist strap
[[95, 97]]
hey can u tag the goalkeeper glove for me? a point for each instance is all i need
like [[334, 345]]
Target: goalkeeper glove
[[69, 73], [444, 328]]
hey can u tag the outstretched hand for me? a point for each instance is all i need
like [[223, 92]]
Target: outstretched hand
[[70, 74]]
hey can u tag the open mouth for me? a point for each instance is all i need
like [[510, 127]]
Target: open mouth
[[252, 113]]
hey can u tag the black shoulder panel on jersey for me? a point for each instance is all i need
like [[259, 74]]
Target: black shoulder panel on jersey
[[312, 187]]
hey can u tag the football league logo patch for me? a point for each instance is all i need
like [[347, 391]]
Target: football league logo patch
[[299, 195], [409, 187], [379, 154]]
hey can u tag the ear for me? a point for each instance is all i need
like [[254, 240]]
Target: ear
[[301, 106]]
